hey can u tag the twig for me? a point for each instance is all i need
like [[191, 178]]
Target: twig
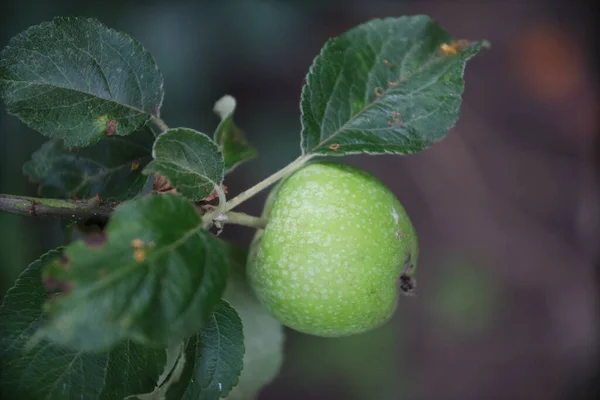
[[69, 210]]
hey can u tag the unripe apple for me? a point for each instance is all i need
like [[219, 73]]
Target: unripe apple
[[337, 249]]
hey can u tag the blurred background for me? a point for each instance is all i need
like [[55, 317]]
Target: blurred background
[[507, 207]]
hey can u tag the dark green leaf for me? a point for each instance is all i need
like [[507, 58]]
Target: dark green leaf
[[49, 371], [190, 160], [214, 358], [230, 137], [112, 168], [171, 375], [77, 80], [154, 279], [263, 334], [385, 86]]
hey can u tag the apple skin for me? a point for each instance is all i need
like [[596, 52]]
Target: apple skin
[[337, 249]]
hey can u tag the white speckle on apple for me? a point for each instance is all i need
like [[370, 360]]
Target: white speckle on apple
[[349, 262], [395, 216]]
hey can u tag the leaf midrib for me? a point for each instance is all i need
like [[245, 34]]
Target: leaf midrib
[[377, 99], [111, 100], [132, 265]]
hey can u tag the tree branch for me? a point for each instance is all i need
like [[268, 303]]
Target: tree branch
[[70, 210]]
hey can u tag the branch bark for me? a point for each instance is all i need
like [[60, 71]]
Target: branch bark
[[69, 210]]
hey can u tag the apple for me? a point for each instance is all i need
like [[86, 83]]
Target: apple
[[337, 249]]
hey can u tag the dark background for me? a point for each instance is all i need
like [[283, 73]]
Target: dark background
[[507, 207]]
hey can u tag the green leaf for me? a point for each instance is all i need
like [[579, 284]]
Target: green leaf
[[171, 375], [230, 137], [383, 87], [214, 358], [112, 168], [77, 80], [154, 279], [190, 160], [174, 354], [263, 335], [49, 371]]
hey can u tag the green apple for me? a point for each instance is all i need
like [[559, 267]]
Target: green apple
[[263, 335], [337, 250]]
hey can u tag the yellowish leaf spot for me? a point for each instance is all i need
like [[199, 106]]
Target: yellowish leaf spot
[[139, 255], [452, 48]]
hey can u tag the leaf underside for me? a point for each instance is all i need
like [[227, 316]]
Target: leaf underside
[[112, 168]]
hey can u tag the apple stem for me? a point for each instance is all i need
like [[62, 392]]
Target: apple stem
[[245, 195], [238, 218]]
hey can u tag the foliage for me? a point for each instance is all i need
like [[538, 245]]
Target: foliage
[[138, 309]]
